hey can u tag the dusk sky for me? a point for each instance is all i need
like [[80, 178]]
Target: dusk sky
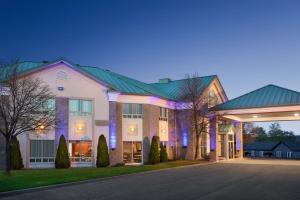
[[248, 44]]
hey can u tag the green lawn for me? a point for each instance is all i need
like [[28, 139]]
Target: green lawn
[[29, 178]]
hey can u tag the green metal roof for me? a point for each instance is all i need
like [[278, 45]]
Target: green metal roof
[[123, 84], [268, 96], [173, 88]]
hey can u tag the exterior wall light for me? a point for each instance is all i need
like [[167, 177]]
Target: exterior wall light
[[296, 114]]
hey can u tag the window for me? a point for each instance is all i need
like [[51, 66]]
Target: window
[[163, 114], [278, 154], [80, 107], [289, 154], [212, 99], [80, 151], [132, 152], [261, 153], [132, 110], [46, 105], [41, 151]]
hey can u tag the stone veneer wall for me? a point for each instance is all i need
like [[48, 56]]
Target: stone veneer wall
[[115, 119], [62, 116], [150, 128], [171, 147], [183, 125]]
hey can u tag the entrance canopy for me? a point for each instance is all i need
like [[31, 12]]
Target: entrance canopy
[[269, 103]]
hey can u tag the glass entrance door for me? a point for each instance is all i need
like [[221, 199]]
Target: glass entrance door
[[230, 146], [132, 152], [230, 150]]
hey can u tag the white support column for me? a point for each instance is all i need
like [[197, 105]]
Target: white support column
[[213, 132], [226, 147], [239, 139]]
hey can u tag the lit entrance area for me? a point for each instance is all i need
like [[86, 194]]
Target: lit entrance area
[[80, 152], [267, 104], [226, 144], [132, 152]]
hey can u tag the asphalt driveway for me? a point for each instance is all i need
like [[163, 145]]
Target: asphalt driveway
[[231, 180]]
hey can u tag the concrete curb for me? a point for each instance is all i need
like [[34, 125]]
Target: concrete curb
[[41, 188]]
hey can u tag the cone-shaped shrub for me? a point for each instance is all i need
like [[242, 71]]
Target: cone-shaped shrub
[[102, 152], [163, 153], [154, 156], [16, 161], [62, 159]]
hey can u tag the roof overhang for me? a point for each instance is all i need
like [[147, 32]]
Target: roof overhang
[[265, 114]]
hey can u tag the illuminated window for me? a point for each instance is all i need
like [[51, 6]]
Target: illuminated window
[[132, 152], [80, 151]]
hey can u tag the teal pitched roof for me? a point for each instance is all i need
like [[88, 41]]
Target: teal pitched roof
[[173, 88], [122, 83], [268, 96]]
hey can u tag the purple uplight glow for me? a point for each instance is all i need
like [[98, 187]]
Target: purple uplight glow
[[113, 136], [212, 133], [62, 112], [185, 139]]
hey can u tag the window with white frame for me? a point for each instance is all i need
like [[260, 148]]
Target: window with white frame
[[278, 154], [163, 114], [41, 151], [132, 110], [289, 154], [80, 107]]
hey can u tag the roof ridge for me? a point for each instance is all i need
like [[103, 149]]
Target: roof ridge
[[214, 75], [242, 95], [283, 88], [146, 84]]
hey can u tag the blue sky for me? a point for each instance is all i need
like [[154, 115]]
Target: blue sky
[[248, 44]]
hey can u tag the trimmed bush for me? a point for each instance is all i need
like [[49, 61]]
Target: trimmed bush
[[163, 153], [102, 152], [207, 157], [16, 161], [62, 159], [154, 156]]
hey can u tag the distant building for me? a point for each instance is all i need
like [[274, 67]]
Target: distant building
[[280, 149]]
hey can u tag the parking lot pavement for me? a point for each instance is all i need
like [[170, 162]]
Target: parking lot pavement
[[217, 181]]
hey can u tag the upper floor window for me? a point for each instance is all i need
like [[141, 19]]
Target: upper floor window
[[163, 114], [47, 105], [80, 107], [212, 99], [132, 110]]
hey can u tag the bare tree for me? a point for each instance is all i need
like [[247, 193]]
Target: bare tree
[[24, 105], [196, 102]]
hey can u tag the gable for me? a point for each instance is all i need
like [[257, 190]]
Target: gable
[[75, 85], [268, 96]]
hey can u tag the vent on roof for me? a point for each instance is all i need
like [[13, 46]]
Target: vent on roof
[[164, 80]]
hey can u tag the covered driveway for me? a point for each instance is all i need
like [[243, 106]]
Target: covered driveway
[[266, 104]]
